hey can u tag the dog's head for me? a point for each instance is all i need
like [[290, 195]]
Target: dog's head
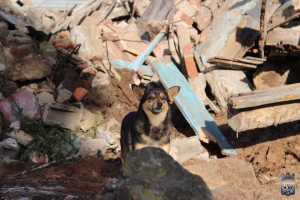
[[156, 99]]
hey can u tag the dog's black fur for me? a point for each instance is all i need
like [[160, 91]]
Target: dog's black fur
[[151, 124]]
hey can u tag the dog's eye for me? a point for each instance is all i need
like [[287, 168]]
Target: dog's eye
[[164, 99]]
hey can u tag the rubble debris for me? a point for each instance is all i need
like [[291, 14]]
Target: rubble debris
[[226, 83], [158, 10], [284, 36], [228, 32], [282, 15], [271, 75]]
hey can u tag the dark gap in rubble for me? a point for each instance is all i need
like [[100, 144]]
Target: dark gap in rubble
[[38, 35], [213, 149], [180, 123], [246, 36], [194, 25], [25, 83], [208, 92], [20, 3]]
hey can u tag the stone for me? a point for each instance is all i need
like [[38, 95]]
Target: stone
[[86, 35], [10, 144], [101, 79], [28, 103], [88, 120], [109, 132], [45, 98], [21, 137], [4, 30], [184, 149], [153, 174], [69, 116], [92, 147], [25, 102], [63, 94], [29, 68], [2, 60]]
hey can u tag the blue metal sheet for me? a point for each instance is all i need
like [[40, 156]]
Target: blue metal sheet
[[190, 105]]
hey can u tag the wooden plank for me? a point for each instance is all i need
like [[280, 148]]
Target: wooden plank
[[186, 50], [191, 106], [233, 63], [266, 97], [265, 117]]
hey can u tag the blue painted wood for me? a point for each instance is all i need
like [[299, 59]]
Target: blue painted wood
[[190, 105], [135, 65], [142, 58]]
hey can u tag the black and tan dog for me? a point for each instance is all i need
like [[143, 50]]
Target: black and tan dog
[[150, 125]]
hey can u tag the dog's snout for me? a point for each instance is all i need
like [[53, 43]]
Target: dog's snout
[[159, 104]]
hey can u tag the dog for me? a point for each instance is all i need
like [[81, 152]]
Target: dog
[[151, 124]]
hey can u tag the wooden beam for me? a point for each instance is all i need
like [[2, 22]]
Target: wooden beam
[[186, 50], [265, 117], [265, 97], [231, 63]]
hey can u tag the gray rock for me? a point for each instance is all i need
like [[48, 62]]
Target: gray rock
[[63, 94], [29, 68], [184, 149], [92, 147], [153, 175], [10, 144], [110, 133], [45, 98]]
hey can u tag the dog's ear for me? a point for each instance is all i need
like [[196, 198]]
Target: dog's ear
[[172, 92]]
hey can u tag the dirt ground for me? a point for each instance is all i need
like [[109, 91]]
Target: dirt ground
[[272, 152]]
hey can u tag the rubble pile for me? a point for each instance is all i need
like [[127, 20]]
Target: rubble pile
[[68, 70]]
